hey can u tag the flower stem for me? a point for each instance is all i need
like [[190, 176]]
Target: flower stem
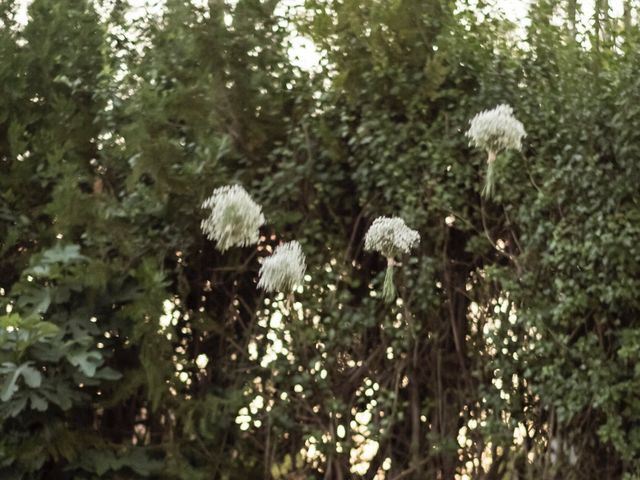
[[490, 180], [388, 288]]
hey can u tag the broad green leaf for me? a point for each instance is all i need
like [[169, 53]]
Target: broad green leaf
[[86, 361], [32, 378]]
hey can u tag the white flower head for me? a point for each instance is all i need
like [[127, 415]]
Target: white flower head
[[235, 218], [390, 237], [283, 270], [496, 130]]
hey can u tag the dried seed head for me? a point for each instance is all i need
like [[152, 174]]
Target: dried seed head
[[496, 130], [235, 219], [284, 270], [391, 237]]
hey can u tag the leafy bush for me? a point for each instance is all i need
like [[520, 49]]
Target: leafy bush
[[132, 348]]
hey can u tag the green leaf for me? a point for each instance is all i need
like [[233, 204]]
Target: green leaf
[[38, 402], [87, 362], [108, 373], [31, 376], [63, 254], [36, 300]]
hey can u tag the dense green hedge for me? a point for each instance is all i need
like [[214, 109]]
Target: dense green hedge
[[131, 348]]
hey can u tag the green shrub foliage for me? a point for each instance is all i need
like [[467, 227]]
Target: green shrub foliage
[[130, 347]]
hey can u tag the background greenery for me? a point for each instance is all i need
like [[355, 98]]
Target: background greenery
[[132, 349]]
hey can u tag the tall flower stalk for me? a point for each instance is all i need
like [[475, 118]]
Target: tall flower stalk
[[390, 237], [490, 180], [493, 131], [388, 287]]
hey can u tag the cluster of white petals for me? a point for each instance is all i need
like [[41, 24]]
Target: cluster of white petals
[[284, 270], [391, 237], [497, 129], [235, 218]]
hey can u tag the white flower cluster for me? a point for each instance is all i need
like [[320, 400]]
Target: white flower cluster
[[235, 218], [284, 270], [390, 237], [497, 129]]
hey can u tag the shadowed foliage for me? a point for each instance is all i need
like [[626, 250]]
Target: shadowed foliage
[[131, 348]]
